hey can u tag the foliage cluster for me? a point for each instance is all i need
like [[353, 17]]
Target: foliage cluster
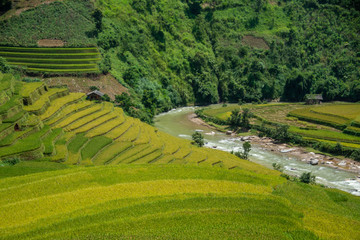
[[171, 53]]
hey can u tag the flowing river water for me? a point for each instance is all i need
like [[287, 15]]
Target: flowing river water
[[177, 123]]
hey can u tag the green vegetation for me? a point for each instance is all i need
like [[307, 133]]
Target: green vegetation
[[69, 21], [60, 60], [170, 53], [198, 139], [94, 146], [315, 126], [171, 201]]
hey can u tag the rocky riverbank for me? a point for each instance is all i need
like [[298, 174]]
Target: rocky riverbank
[[292, 151]]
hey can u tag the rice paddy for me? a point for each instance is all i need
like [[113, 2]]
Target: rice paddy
[[170, 202], [53, 60], [144, 183], [329, 122]]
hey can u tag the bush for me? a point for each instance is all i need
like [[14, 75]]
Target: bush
[[198, 139], [4, 66], [307, 177], [278, 167]]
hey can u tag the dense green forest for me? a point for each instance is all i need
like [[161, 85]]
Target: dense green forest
[[175, 52]]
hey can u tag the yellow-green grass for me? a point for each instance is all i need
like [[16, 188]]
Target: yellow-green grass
[[6, 82], [60, 103], [104, 120], [118, 131], [56, 66], [77, 142], [345, 144], [29, 167], [94, 146], [146, 133], [45, 99], [308, 114], [49, 55], [29, 88], [111, 152], [78, 115], [223, 113], [103, 129], [148, 158], [49, 140], [129, 152], [68, 110], [131, 134], [142, 157], [82, 122], [49, 50], [13, 103], [61, 60], [165, 159], [183, 151], [171, 144], [326, 134], [27, 144], [14, 136], [352, 130], [346, 111], [58, 61], [61, 153], [61, 70], [171, 202]]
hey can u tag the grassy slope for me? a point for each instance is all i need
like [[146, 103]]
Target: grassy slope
[[171, 201]]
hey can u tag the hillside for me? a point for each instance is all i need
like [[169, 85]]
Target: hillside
[[171, 202], [198, 51], [152, 186]]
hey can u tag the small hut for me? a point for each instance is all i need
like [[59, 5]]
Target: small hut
[[95, 95], [313, 98]]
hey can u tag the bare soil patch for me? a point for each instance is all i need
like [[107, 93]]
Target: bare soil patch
[[50, 43], [106, 83], [255, 42]]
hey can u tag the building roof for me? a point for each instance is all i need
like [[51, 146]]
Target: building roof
[[313, 97], [97, 92]]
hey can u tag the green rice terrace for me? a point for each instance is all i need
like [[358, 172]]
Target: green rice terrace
[[328, 123], [53, 60], [88, 171]]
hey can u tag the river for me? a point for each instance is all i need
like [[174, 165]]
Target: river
[[177, 123]]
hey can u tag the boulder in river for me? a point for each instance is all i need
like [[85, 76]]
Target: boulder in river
[[228, 132], [314, 162]]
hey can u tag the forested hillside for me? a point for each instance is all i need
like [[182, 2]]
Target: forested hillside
[[175, 52]]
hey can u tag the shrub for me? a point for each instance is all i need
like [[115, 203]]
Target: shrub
[[278, 167], [198, 139], [307, 177]]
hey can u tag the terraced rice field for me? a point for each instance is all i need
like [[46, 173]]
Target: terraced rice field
[[53, 60], [147, 184], [323, 122], [170, 202], [77, 131]]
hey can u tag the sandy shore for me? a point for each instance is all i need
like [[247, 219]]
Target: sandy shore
[[298, 152]]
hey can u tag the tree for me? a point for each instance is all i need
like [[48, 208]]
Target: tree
[[235, 119], [106, 98], [4, 66], [245, 123], [198, 139], [93, 88], [124, 101], [247, 149], [245, 153], [307, 177], [278, 167]]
